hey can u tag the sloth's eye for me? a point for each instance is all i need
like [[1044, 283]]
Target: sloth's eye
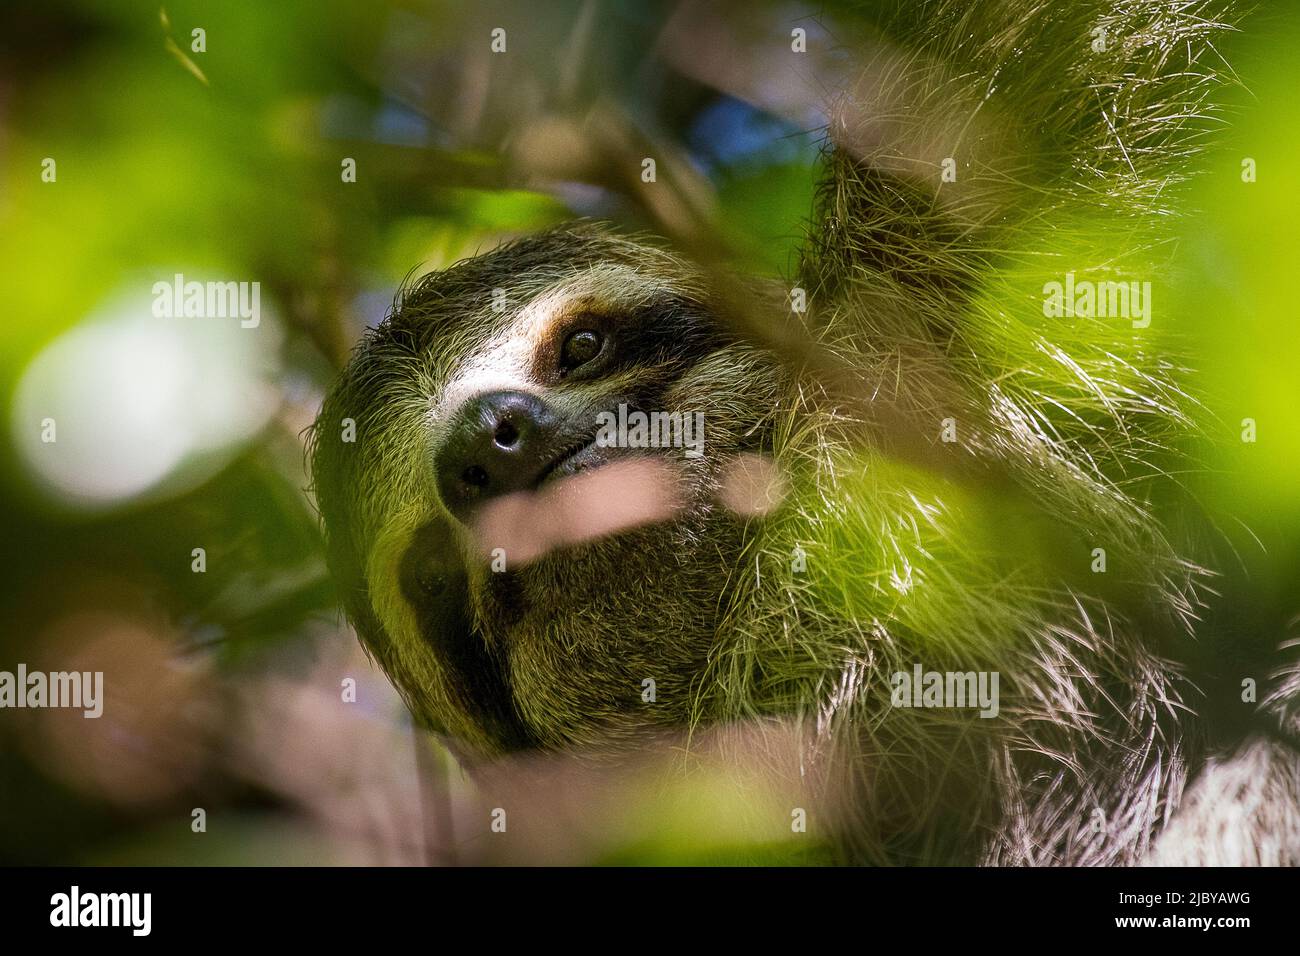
[[579, 349]]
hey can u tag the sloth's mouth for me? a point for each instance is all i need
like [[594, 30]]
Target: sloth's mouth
[[577, 457], [614, 492]]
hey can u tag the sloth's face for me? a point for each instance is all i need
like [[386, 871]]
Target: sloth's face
[[548, 489]]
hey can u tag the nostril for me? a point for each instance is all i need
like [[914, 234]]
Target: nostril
[[506, 435], [475, 476], [495, 444]]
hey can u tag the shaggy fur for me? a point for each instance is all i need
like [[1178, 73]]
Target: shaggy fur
[[889, 547]]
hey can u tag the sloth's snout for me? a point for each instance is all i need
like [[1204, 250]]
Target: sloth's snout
[[499, 442]]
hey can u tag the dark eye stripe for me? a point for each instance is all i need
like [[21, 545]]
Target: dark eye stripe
[[672, 334], [668, 335]]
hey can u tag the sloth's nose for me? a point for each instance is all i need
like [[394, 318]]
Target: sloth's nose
[[498, 443]]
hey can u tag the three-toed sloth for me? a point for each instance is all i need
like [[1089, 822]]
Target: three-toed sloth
[[940, 534]]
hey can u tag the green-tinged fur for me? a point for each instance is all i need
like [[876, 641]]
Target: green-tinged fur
[[1067, 160]]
